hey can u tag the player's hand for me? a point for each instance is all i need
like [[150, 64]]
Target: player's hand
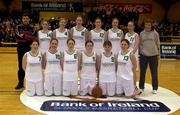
[[21, 35]]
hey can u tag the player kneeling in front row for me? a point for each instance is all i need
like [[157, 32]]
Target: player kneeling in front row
[[32, 65], [53, 70], [107, 71], [126, 71], [88, 67], [70, 59]]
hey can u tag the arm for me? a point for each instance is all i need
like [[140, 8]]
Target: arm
[[105, 36], [136, 46], [116, 61], [98, 65], [79, 61], [71, 33], [62, 60], [86, 35], [134, 64], [157, 42], [18, 33], [122, 35], [24, 62], [54, 34], [90, 36], [44, 61]]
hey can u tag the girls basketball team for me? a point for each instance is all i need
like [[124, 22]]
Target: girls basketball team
[[59, 58]]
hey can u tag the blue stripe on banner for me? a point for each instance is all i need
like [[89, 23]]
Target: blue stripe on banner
[[111, 106]]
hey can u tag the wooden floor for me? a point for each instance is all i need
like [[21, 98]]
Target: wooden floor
[[169, 77]]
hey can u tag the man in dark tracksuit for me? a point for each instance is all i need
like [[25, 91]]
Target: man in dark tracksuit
[[25, 32]]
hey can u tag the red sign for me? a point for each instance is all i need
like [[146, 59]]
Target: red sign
[[140, 8]]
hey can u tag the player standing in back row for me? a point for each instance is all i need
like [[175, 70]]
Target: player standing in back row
[[62, 34], [115, 35], [80, 34], [98, 36], [133, 39]]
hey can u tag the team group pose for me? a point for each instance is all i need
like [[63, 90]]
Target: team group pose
[[66, 56]]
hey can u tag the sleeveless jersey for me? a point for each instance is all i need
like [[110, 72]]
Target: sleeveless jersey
[[131, 39], [98, 39], [70, 65], [79, 37], [115, 38], [44, 39], [124, 69], [62, 38], [88, 66], [107, 69], [33, 67], [53, 63]]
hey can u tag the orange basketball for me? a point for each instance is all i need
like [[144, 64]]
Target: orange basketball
[[97, 92]]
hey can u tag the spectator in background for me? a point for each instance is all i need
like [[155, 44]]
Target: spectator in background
[[149, 52], [25, 32]]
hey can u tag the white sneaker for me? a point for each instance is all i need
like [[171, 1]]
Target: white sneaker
[[141, 90], [154, 91]]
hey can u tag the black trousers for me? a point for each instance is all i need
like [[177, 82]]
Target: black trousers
[[22, 48], [153, 64]]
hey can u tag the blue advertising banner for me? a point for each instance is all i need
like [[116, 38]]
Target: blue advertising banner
[[116, 106], [170, 51]]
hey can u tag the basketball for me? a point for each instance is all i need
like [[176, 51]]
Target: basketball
[[97, 92]]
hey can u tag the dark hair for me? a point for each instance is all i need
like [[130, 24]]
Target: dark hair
[[79, 16], [115, 19], [149, 21], [98, 18], [35, 40], [53, 39], [107, 43], [125, 40], [25, 14], [131, 22], [89, 41], [70, 39]]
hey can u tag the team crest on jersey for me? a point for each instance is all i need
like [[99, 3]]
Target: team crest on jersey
[[112, 59], [126, 58], [118, 34], [82, 33], [94, 58], [57, 56], [39, 58], [75, 56], [65, 33], [101, 35], [48, 35], [131, 39]]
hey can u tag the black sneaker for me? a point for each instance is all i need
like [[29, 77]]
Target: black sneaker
[[19, 86]]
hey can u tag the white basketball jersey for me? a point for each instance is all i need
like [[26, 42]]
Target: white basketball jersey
[[62, 38], [89, 66], [98, 39], [131, 39], [44, 39], [115, 38], [33, 67], [70, 65], [107, 69], [53, 63], [124, 69], [79, 37]]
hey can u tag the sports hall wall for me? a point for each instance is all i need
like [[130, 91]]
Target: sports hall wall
[[157, 10]]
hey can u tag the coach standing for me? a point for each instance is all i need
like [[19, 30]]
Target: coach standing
[[149, 52], [25, 33]]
